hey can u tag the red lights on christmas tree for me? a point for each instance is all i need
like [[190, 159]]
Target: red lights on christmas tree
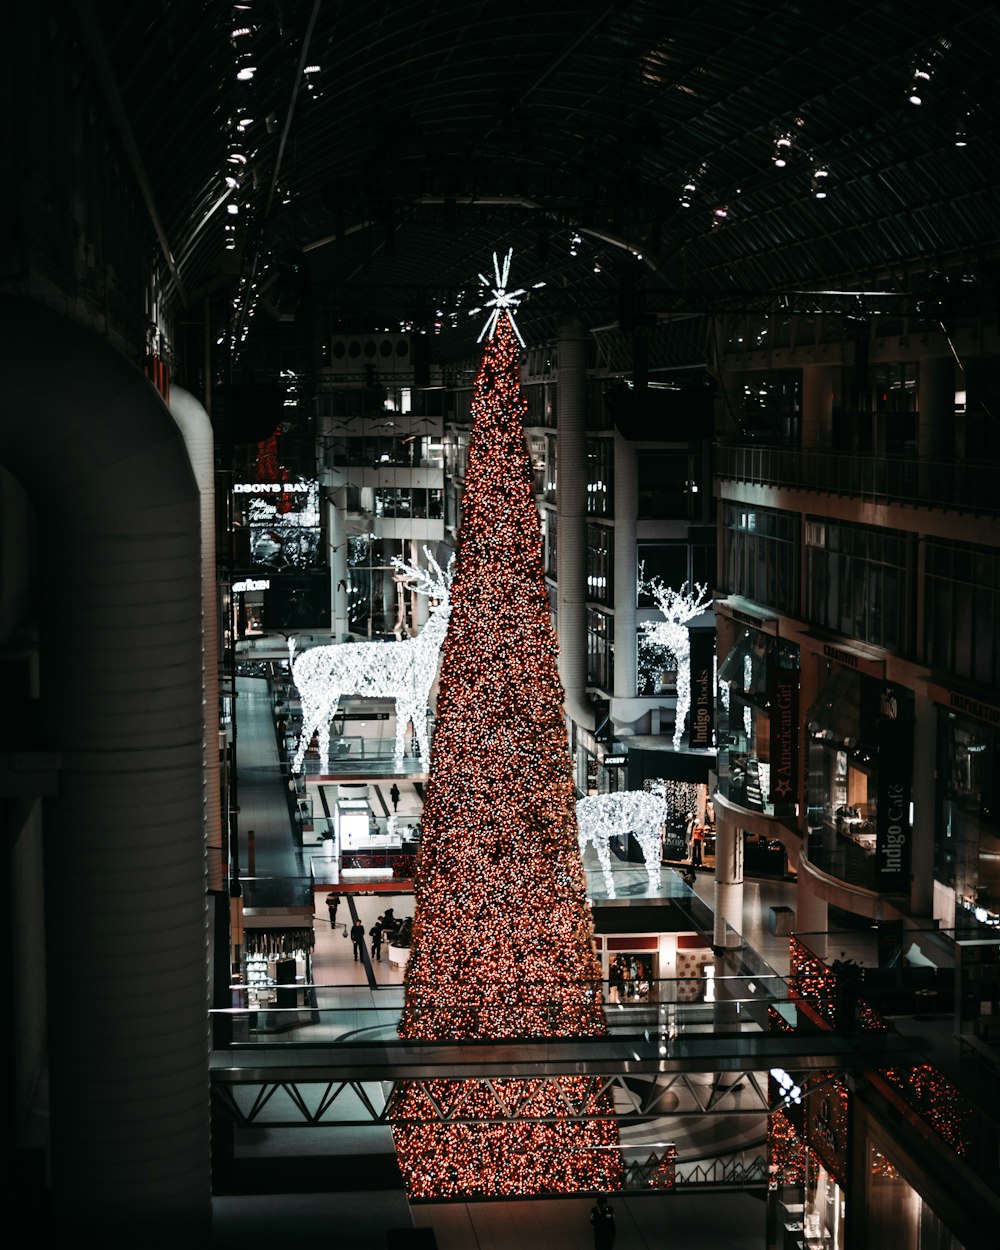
[[502, 939]]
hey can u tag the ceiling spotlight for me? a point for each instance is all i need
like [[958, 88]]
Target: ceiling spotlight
[[818, 188], [232, 208], [720, 212], [920, 78], [782, 147], [961, 134]]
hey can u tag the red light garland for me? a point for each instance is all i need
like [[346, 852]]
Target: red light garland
[[502, 936]]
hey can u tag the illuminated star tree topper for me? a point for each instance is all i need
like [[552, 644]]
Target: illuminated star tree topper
[[503, 300]]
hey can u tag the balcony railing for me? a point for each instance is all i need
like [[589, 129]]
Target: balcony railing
[[950, 484]]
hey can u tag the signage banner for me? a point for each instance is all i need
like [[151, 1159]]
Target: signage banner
[[892, 829], [783, 693], [702, 687]]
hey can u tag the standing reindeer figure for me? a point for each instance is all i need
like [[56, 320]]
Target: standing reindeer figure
[[678, 607], [403, 671], [601, 816]]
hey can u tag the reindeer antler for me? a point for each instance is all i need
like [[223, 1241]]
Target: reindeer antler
[[434, 582]]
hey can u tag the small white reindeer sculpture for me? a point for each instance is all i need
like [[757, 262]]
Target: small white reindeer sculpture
[[678, 607], [403, 671], [601, 816]]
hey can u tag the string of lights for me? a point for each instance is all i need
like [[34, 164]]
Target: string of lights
[[502, 944]]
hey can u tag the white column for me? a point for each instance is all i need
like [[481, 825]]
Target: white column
[[811, 915], [421, 610], [336, 528], [571, 471], [728, 879], [626, 510]]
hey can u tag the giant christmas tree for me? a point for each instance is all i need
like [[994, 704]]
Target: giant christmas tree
[[501, 944]]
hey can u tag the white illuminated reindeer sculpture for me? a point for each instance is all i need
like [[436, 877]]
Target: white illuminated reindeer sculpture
[[403, 671], [678, 607], [600, 817]]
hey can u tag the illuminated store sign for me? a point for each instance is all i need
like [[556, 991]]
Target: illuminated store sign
[[251, 583], [892, 827], [272, 488], [784, 700]]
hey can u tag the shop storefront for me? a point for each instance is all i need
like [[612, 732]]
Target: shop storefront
[[808, 1146], [642, 964], [860, 736], [276, 973], [685, 780], [758, 723], [967, 834]]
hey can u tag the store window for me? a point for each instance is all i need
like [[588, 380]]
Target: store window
[[968, 828], [760, 556], [600, 564], [666, 484], [600, 476], [600, 649], [858, 809], [373, 592], [539, 470], [859, 582], [758, 723], [552, 545], [632, 976], [962, 610], [666, 562]]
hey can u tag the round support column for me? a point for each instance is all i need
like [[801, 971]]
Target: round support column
[[336, 511], [728, 880], [120, 537], [811, 915], [571, 475], [626, 510]]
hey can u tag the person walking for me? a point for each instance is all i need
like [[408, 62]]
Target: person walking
[[394, 795], [375, 933], [332, 903], [358, 938], [602, 1221]]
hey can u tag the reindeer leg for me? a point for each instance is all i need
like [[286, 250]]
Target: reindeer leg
[[325, 722], [420, 731], [650, 843], [309, 723], [603, 847], [403, 714]]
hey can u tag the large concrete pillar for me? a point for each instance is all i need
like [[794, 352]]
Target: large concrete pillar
[[196, 427], [571, 479], [625, 561], [119, 534], [811, 915]]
